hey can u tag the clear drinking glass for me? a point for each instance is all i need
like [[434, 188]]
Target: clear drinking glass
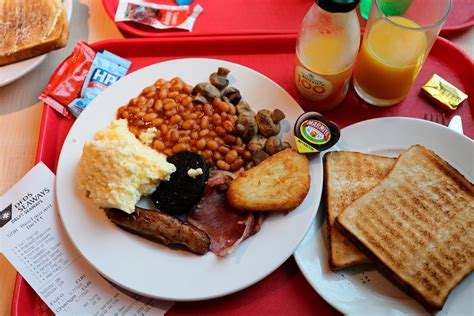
[[396, 42]]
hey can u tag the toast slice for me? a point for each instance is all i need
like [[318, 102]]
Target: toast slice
[[417, 226], [347, 176], [31, 28], [279, 183]]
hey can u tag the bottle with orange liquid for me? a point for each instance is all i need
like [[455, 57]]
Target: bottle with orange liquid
[[326, 49]]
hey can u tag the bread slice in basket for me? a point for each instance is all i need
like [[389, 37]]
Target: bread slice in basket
[[417, 226], [347, 176], [31, 28]]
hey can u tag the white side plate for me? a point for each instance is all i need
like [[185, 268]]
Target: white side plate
[[362, 290]]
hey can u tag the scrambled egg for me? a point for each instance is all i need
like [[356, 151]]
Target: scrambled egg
[[117, 169], [147, 136], [193, 173]]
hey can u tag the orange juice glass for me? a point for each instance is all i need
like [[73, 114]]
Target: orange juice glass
[[394, 49]]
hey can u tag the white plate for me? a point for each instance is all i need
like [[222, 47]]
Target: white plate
[[349, 290], [154, 270], [12, 72]]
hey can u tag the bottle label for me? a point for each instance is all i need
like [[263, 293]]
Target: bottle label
[[311, 85], [315, 132]]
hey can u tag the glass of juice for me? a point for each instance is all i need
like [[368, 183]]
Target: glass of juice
[[395, 45]]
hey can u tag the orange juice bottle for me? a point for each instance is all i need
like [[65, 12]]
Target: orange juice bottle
[[326, 49], [390, 59]]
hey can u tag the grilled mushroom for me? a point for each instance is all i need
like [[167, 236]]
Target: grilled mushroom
[[219, 79], [207, 90]]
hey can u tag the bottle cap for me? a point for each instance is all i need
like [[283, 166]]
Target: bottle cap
[[337, 5]]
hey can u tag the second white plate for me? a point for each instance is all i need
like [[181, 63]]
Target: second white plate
[[362, 290], [12, 72]]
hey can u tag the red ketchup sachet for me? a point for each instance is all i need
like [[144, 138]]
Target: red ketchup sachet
[[66, 82]]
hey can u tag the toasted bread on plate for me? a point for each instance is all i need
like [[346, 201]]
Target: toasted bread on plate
[[347, 176], [279, 183], [31, 28], [417, 226]]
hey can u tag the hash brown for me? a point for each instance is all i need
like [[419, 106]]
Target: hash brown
[[279, 183]]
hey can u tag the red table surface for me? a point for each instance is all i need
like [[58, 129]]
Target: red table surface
[[240, 17], [285, 291]]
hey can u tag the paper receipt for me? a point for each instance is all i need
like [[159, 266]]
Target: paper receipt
[[33, 239]]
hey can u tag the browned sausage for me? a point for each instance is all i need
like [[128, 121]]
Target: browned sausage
[[162, 227]]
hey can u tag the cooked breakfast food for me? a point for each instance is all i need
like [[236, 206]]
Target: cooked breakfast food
[[163, 228], [347, 176], [226, 227], [280, 183], [416, 225], [31, 28], [187, 122], [209, 120], [193, 132], [116, 169], [184, 188]]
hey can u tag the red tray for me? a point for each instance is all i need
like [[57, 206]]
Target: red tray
[[261, 17], [461, 17], [285, 291], [226, 17]]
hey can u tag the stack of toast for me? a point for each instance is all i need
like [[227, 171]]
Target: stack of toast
[[31, 28], [412, 216]]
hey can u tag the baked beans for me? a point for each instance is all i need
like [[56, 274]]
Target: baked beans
[[207, 129]]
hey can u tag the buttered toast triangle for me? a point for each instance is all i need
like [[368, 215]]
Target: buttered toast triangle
[[31, 28], [279, 183], [347, 176], [417, 226]]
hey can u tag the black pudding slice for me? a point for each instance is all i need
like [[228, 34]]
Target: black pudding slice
[[181, 192]]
